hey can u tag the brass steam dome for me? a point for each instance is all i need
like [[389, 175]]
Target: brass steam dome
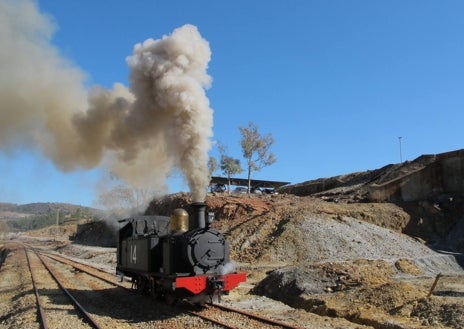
[[179, 221]]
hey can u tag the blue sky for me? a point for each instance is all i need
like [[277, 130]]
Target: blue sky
[[335, 82]]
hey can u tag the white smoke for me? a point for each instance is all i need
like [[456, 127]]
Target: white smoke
[[227, 268], [141, 134]]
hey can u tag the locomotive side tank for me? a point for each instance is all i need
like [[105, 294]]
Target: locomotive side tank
[[178, 257]]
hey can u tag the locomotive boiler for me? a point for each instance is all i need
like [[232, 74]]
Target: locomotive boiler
[[177, 257]]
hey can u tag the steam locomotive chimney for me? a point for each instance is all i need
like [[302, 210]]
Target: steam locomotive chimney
[[199, 216]]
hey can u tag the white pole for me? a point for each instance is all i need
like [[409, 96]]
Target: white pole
[[57, 222], [401, 153]]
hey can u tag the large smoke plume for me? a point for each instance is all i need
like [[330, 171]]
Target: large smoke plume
[[141, 133]]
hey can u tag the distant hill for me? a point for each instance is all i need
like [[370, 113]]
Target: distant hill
[[12, 211], [33, 216]]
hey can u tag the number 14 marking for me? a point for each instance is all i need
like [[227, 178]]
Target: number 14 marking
[[133, 254]]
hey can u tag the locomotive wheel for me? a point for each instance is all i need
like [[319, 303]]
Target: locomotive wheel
[[170, 299], [153, 293], [199, 300], [141, 285]]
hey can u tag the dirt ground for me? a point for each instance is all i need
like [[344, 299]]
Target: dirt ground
[[342, 260], [324, 264]]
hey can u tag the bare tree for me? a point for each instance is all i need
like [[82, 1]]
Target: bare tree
[[124, 200], [256, 149], [229, 165]]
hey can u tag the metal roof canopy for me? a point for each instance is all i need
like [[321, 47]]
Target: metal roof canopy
[[255, 183]]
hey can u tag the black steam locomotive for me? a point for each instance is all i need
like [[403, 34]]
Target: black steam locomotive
[[166, 258]]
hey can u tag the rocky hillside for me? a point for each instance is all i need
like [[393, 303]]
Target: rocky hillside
[[346, 260], [264, 227], [430, 190], [358, 186]]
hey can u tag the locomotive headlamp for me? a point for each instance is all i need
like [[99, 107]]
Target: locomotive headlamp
[[210, 217], [179, 222]]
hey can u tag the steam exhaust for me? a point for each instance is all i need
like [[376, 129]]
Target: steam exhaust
[[141, 133]]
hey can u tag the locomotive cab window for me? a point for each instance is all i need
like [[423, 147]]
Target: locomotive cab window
[[141, 227]]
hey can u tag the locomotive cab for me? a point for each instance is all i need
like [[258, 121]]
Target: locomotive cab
[[138, 244]]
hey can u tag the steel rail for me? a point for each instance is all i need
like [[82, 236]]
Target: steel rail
[[204, 317], [255, 316], [41, 313], [86, 315], [82, 267]]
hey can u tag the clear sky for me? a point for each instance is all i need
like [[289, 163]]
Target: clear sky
[[335, 82]]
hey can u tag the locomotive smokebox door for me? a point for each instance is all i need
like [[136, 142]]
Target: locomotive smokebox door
[[206, 250]]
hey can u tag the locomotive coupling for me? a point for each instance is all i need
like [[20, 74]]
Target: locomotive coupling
[[216, 286]]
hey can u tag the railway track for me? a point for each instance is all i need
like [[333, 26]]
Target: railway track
[[233, 318], [212, 315], [90, 270], [126, 308], [46, 297], [219, 310]]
